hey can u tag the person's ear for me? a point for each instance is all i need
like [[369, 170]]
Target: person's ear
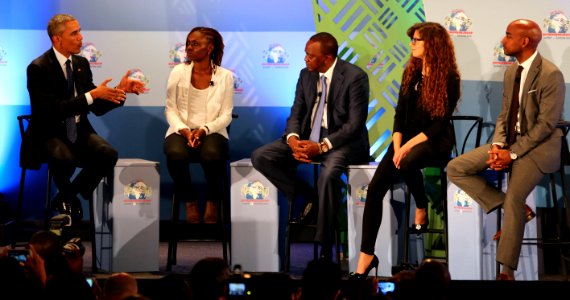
[[526, 41]]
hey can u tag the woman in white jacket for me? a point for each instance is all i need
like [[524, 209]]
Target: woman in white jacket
[[199, 103]]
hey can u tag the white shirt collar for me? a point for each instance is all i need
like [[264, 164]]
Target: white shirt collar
[[329, 72], [527, 63], [61, 58]]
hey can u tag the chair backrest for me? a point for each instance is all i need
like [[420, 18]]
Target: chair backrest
[[30, 157], [24, 122], [234, 116], [474, 123], [565, 154]]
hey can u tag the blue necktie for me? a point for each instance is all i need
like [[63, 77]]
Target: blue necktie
[[70, 125], [318, 119]]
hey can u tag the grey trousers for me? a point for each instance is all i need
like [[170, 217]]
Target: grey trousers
[[464, 171]]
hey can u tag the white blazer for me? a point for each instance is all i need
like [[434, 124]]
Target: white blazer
[[219, 105]]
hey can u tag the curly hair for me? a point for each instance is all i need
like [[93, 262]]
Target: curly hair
[[439, 60], [214, 37]]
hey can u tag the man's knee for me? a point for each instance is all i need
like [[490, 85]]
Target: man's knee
[[452, 168], [107, 156], [257, 158]]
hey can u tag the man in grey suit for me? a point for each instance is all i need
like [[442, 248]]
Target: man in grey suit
[[338, 138], [535, 146]]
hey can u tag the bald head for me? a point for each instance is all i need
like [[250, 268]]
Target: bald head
[[529, 29], [521, 39]]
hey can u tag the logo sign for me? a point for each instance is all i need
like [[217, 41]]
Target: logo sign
[[458, 23], [137, 74], [275, 56], [254, 192], [90, 52], [500, 58], [3, 54], [361, 193], [462, 202], [556, 26], [238, 84], [137, 192], [177, 54]]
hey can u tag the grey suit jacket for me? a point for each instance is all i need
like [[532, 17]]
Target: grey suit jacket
[[542, 105]]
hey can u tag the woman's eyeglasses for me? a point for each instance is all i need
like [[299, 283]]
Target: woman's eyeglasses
[[415, 40]]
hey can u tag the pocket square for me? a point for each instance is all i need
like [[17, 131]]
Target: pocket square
[[531, 91]]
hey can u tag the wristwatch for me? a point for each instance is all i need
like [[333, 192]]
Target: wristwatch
[[513, 155], [324, 147]]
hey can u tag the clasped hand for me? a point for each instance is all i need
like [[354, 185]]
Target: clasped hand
[[499, 159], [304, 150], [194, 138]]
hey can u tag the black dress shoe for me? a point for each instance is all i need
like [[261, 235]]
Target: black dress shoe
[[419, 228], [68, 205], [61, 205], [308, 216], [76, 209]]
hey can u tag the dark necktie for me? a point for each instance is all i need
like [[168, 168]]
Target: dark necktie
[[70, 125], [318, 119], [514, 110]]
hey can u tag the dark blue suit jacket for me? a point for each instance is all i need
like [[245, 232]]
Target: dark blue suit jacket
[[50, 104], [347, 106]]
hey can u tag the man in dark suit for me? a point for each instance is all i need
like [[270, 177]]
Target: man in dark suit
[[342, 140], [535, 141], [62, 94]]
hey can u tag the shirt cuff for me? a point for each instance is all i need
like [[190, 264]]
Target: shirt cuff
[[206, 129], [89, 98], [290, 135], [328, 142]]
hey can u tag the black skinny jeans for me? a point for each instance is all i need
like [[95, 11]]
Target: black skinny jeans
[[212, 155], [410, 171]]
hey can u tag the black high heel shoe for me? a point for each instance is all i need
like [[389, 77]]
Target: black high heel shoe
[[358, 276], [419, 228]]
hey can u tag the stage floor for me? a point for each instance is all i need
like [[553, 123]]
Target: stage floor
[[548, 287]]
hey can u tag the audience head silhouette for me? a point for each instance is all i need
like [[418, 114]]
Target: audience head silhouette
[[321, 280], [208, 278], [120, 286]]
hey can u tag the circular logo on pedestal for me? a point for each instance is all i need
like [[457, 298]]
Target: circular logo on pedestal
[[254, 191], [137, 192]]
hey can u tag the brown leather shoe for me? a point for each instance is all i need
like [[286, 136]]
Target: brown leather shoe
[[192, 213], [529, 216], [211, 213], [505, 277]]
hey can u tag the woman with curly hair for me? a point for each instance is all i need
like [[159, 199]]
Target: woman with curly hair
[[422, 132]]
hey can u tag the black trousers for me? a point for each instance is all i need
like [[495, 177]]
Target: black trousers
[[276, 162], [410, 171], [92, 153], [212, 155]]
